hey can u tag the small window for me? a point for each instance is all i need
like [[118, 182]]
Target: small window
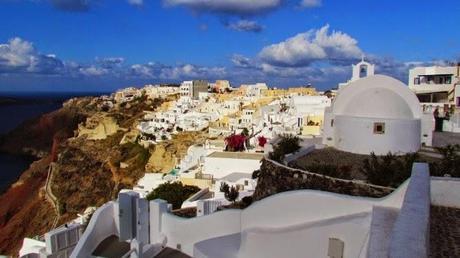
[[332, 122], [246, 182], [416, 81], [379, 128]]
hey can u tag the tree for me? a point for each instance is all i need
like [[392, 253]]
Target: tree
[[245, 132], [174, 193], [256, 174], [224, 187], [287, 144], [232, 194], [450, 162]]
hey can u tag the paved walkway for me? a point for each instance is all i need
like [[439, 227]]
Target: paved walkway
[[50, 196], [111, 248], [444, 232]]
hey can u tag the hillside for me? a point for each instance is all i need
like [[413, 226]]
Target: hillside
[[83, 172]]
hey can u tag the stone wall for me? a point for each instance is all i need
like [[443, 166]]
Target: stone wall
[[275, 178]]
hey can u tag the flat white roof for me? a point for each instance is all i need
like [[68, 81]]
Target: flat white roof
[[236, 155]]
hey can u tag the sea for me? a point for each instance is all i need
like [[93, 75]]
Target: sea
[[15, 108]]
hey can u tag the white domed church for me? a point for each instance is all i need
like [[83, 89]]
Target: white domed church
[[379, 114]]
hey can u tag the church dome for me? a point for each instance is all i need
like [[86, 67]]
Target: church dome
[[377, 96]]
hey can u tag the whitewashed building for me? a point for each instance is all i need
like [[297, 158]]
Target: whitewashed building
[[127, 94], [435, 85], [377, 114]]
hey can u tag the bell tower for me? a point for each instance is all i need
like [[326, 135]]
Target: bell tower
[[362, 69]]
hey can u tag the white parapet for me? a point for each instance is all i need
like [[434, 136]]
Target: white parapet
[[102, 225], [410, 235]]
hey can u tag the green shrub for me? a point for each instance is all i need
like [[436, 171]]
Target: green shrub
[[389, 170], [450, 162], [174, 193], [287, 144]]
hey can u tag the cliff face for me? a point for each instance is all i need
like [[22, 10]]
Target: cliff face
[[83, 172], [164, 155], [36, 136], [25, 209]]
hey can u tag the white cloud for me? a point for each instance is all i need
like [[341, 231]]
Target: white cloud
[[245, 25], [159, 71], [93, 71], [16, 53], [241, 61], [313, 45], [310, 3], [19, 55], [227, 6]]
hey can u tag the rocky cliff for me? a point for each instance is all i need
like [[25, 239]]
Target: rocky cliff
[[82, 170]]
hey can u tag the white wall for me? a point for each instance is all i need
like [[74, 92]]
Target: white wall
[[304, 206], [311, 240], [410, 235], [187, 232], [445, 191], [356, 134], [427, 129]]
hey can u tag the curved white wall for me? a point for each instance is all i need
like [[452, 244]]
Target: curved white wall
[[373, 93], [102, 225], [296, 207], [307, 240], [356, 134], [187, 232]]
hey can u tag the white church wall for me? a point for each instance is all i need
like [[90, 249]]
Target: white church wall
[[356, 134], [328, 131]]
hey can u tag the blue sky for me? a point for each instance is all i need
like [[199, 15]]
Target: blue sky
[[102, 45]]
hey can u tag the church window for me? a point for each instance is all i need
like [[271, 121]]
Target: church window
[[379, 128]]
